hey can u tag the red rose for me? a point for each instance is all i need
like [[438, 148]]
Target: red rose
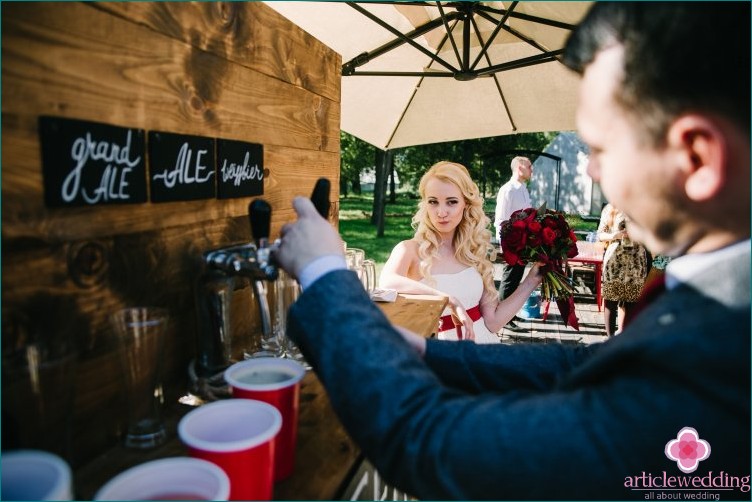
[[514, 239], [531, 216], [534, 227], [510, 257], [572, 252], [549, 236], [550, 222], [517, 215]]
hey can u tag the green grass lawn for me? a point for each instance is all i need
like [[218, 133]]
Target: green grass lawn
[[357, 231]]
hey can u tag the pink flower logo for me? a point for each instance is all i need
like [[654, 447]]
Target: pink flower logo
[[688, 450]]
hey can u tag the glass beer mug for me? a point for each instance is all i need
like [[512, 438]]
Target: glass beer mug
[[283, 292]]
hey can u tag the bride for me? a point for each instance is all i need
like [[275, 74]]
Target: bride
[[449, 256]]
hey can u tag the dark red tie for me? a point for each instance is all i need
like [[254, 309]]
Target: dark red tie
[[652, 290]]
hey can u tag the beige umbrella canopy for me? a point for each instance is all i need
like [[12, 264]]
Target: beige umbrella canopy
[[425, 72]]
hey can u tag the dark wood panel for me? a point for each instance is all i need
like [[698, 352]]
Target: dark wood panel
[[174, 68], [72, 60], [291, 172], [249, 33], [73, 289], [129, 75]]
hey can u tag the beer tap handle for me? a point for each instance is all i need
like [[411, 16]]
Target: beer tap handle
[[320, 196], [260, 214]]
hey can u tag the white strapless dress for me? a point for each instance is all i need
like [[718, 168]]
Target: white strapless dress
[[467, 287]]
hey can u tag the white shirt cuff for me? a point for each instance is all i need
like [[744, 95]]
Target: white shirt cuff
[[319, 267]]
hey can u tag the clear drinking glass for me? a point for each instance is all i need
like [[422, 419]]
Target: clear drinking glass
[[283, 292], [141, 332], [38, 397], [369, 275], [354, 258]]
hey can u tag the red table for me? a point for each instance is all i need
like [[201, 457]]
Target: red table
[[589, 254], [597, 262]]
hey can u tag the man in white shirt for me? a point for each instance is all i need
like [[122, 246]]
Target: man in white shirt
[[512, 196]]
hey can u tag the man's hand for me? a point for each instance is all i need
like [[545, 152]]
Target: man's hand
[[307, 239]]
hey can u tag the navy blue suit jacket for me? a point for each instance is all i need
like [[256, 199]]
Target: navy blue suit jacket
[[548, 421]]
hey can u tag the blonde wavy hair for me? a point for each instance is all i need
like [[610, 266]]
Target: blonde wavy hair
[[472, 239]]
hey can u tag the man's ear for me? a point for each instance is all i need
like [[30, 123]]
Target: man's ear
[[702, 153]]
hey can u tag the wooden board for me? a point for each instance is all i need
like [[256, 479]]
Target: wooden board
[[249, 33], [325, 453], [235, 71], [418, 313], [76, 61]]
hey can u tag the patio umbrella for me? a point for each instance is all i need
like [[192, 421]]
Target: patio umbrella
[[426, 72]]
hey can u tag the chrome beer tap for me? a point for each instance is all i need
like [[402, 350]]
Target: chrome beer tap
[[221, 267]]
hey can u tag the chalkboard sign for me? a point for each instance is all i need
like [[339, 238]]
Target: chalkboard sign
[[181, 167], [88, 163], [240, 169]]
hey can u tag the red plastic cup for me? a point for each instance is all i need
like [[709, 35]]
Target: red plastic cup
[[277, 382], [238, 436]]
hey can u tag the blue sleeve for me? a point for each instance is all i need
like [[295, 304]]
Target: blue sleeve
[[519, 430], [474, 368]]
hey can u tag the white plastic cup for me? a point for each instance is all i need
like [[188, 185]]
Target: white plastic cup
[[35, 475], [177, 478]]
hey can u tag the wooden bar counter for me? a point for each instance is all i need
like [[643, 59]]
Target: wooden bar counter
[[418, 313], [326, 457]]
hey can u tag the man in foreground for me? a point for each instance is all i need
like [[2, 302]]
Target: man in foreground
[[669, 138]]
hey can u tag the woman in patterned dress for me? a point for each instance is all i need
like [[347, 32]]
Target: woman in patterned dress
[[625, 266]]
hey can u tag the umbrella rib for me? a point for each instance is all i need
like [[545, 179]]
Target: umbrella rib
[[417, 86], [449, 33], [528, 17], [496, 31], [401, 35], [496, 80], [361, 59], [504, 102], [399, 74], [402, 115], [521, 63], [517, 34]]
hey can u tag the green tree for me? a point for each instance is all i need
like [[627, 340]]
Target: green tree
[[412, 162], [355, 156]]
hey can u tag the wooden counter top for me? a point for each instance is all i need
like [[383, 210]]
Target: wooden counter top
[[418, 313], [326, 457]]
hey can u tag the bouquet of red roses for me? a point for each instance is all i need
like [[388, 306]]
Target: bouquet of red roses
[[542, 235]]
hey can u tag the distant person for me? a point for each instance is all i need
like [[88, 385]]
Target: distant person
[[625, 267], [512, 196], [669, 137], [449, 256], [580, 286]]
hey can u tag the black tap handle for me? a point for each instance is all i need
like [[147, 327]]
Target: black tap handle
[[260, 214], [320, 196]]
